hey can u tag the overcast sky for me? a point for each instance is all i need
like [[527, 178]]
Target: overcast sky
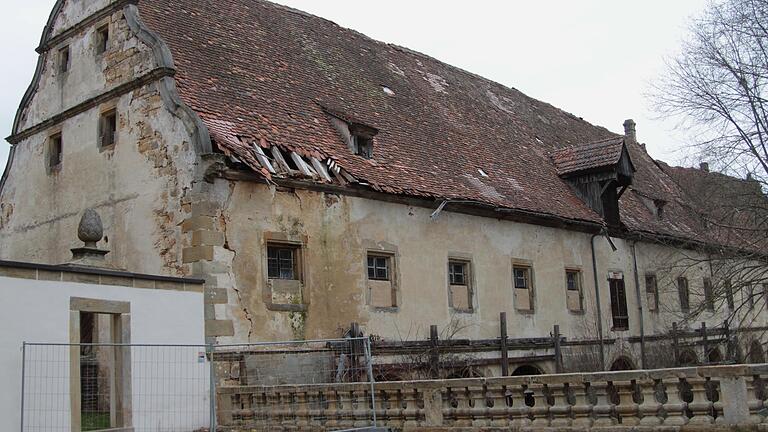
[[592, 58]]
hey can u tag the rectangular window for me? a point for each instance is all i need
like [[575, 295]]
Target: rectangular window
[[573, 290], [460, 285], [708, 294], [102, 39], [54, 151], [729, 293], [684, 294], [523, 284], [652, 292], [282, 262], [379, 267], [64, 59], [363, 146], [619, 308], [108, 129]]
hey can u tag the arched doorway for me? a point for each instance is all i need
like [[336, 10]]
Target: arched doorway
[[756, 353], [714, 356], [622, 363], [688, 358], [526, 369]]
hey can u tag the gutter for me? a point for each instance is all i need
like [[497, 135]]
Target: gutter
[[639, 306]]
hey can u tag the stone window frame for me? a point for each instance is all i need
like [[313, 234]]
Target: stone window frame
[[470, 279], [580, 278], [120, 313], [518, 263], [63, 53], [389, 251], [105, 110], [101, 45], [299, 243], [54, 134]]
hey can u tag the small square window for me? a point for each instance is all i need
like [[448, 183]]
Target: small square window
[[282, 262], [457, 272], [102, 39], [64, 59], [378, 267], [55, 151], [108, 129]]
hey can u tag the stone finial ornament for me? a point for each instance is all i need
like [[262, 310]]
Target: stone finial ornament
[[90, 231]]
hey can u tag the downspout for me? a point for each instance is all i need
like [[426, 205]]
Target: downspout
[[597, 301], [639, 307]]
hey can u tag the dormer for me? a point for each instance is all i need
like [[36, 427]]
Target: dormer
[[359, 137], [599, 172]]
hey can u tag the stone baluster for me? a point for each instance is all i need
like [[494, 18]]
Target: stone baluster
[[540, 408], [582, 408], [627, 409], [362, 407], [410, 410], [700, 406], [498, 413], [478, 411], [755, 390], [301, 409], [463, 416], [315, 412], [649, 407], [675, 406], [561, 409], [332, 409], [519, 411], [603, 409], [346, 409]]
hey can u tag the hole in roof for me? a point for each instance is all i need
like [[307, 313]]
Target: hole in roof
[[388, 91], [482, 173]]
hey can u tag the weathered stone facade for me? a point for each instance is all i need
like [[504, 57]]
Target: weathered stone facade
[[171, 205]]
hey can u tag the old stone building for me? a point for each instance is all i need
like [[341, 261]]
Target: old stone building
[[315, 177]]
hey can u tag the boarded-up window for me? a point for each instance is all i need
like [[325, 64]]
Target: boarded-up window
[[523, 291], [108, 129], [652, 292], [619, 304], [684, 294], [573, 290], [460, 284], [709, 299]]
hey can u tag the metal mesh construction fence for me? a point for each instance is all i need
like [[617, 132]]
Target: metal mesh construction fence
[[195, 388]]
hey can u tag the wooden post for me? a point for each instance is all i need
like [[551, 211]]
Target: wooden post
[[705, 342], [675, 345], [503, 344], [728, 346], [558, 351], [434, 355]]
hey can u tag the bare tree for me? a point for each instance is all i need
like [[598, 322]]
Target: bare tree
[[718, 85]]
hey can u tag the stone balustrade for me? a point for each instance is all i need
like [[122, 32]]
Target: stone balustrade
[[700, 398]]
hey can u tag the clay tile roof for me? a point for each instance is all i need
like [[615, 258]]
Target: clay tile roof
[[573, 159], [257, 72]]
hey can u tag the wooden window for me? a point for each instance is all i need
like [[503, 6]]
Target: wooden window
[[64, 59], [379, 267], [619, 308], [282, 262], [55, 148], [363, 146], [573, 290], [108, 129], [652, 292], [460, 284], [523, 291], [102, 39], [684, 294], [708, 294]]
